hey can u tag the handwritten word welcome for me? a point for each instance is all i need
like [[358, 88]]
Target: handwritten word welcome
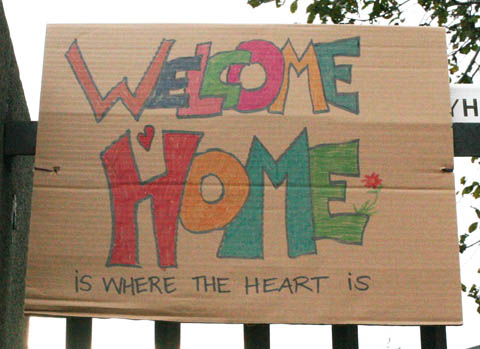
[[203, 93], [176, 195]]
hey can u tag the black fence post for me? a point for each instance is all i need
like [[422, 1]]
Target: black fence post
[[79, 333], [345, 336], [433, 337], [167, 335], [256, 336]]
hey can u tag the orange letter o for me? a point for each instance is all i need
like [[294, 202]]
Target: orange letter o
[[198, 214]]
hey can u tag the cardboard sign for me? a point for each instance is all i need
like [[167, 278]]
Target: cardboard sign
[[245, 174]]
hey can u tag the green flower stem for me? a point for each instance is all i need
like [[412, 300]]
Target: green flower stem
[[368, 206], [376, 191]]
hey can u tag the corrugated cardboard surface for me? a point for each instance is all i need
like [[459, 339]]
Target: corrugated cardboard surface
[[405, 269]]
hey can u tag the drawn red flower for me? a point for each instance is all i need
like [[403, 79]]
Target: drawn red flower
[[372, 181]]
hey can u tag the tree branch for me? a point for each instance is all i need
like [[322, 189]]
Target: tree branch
[[476, 71], [472, 62], [454, 52], [358, 19], [473, 244], [466, 3]]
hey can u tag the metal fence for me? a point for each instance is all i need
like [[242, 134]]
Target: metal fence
[[167, 335]]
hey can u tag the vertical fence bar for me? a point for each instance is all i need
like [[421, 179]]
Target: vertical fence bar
[[167, 335], [345, 336], [79, 333], [433, 337], [256, 336]]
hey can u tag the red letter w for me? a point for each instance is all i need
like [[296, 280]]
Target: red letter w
[[134, 102]]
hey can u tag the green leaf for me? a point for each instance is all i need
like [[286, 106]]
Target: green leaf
[[254, 3], [453, 69], [467, 190], [473, 290], [472, 227], [477, 211], [311, 17], [463, 180], [476, 193], [294, 6], [464, 288]]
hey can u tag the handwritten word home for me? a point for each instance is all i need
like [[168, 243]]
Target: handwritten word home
[[176, 196]]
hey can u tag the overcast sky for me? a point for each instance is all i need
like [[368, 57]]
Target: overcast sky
[[27, 20]]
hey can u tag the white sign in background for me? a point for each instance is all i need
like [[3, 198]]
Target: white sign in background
[[465, 102]]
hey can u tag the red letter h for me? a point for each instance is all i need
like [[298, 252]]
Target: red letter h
[[165, 191]]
